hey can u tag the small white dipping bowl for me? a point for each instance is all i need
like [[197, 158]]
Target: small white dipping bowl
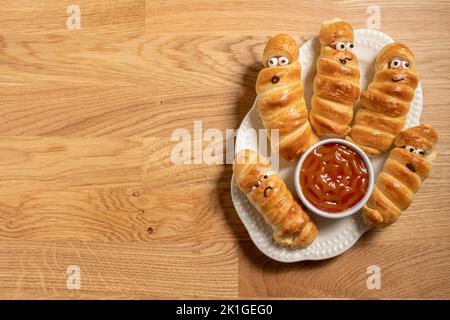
[[355, 208]]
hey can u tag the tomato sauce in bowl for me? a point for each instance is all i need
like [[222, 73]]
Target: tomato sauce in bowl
[[334, 177]]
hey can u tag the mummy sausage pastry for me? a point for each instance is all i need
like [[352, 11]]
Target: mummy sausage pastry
[[268, 193], [280, 102], [336, 85], [408, 164], [385, 104]]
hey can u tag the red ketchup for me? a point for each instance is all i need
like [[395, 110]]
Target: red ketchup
[[334, 177]]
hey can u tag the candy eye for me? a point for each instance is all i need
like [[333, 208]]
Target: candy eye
[[395, 64], [257, 184], [410, 148], [405, 64], [340, 46], [349, 46], [266, 176], [272, 62], [283, 61], [419, 151]]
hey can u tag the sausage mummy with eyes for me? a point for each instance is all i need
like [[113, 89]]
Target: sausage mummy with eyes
[[281, 104], [385, 103], [408, 164], [336, 85], [292, 226]]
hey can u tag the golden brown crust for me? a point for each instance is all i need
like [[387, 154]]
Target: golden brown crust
[[423, 137], [383, 104], [335, 90], [294, 144], [335, 30], [374, 138], [248, 166], [281, 45], [367, 118], [386, 102], [336, 85], [292, 226], [327, 65], [402, 175], [398, 194], [394, 50], [281, 104], [421, 165], [331, 110], [380, 211], [371, 152]]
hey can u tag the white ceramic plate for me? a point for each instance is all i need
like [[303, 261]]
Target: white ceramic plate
[[335, 235]]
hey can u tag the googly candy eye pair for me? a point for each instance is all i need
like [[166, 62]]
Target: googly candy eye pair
[[397, 63], [274, 61], [342, 46], [414, 150]]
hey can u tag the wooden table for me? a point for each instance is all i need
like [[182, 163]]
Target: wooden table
[[86, 178]]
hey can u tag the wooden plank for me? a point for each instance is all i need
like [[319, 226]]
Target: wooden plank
[[198, 196], [108, 214], [164, 61], [37, 269], [165, 64], [160, 170], [265, 17], [66, 110], [91, 189], [112, 17], [173, 215], [43, 163], [70, 188], [408, 270]]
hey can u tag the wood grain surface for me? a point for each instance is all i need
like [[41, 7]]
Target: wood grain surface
[[86, 176]]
